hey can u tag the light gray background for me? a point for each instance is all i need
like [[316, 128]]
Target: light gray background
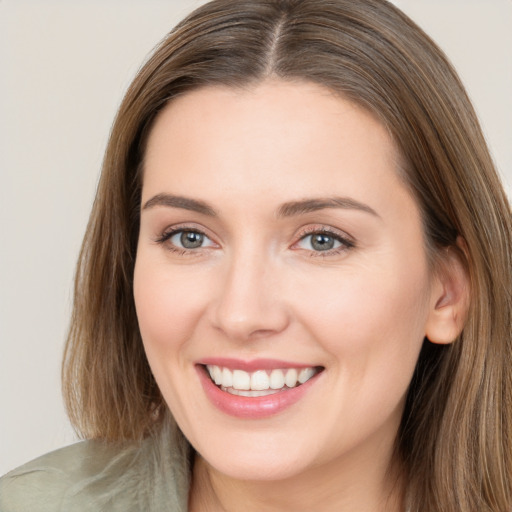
[[64, 66]]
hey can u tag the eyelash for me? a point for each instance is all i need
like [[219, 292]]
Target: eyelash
[[345, 242], [180, 251]]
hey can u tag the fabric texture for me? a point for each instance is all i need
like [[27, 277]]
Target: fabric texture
[[150, 476]]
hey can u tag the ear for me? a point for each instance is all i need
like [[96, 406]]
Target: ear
[[450, 295]]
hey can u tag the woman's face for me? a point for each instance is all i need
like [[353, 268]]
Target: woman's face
[[280, 252]]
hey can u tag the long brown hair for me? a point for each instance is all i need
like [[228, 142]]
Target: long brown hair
[[455, 441]]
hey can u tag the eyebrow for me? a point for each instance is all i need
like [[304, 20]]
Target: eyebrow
[[184, 203], [289, 209], [312, 205]]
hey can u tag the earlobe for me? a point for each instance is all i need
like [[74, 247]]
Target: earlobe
[[450, 296]]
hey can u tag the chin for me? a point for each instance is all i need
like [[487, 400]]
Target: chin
[[256, 460], [270, 468]]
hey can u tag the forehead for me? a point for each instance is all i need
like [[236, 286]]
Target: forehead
[[303, 106], [278, 139]]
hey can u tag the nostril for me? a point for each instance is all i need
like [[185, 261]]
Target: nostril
[[248, 306]]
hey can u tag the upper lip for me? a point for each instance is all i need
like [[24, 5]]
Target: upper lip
[[253, 364]]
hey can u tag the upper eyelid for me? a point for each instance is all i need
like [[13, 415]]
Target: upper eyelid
[[347, 242], [171, 230], [164, 239], [311, 230]]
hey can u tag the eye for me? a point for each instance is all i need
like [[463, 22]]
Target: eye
[[186, 239], [324, 241]]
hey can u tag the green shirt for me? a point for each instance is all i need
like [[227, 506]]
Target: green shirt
[[149, 476]]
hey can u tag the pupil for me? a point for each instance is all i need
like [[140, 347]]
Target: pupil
[[322, 242], [191, 240]]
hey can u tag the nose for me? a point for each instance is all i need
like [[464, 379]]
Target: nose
[[250, 303]]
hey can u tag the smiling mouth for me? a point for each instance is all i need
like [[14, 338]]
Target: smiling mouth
[[259, 382]]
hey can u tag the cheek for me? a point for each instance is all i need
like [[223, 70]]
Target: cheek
[[169, 305], [372, 322], [372, 328]]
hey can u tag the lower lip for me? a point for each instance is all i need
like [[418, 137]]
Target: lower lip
[[252, 407]]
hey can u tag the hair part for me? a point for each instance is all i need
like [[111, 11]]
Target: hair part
[[455, 438]]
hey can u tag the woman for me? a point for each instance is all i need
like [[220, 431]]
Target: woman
[[299, 254]]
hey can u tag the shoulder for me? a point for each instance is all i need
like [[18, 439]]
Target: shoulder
[[48, 482], [92, 476]]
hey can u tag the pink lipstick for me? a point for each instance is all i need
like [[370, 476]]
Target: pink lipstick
[[255, 389]]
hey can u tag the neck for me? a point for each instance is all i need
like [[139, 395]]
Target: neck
[[353, 485]]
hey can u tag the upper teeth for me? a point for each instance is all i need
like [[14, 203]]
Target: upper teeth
[[260, 379]]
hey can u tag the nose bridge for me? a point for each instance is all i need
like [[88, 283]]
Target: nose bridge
[[249, 303]]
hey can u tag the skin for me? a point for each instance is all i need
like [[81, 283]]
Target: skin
[[257, 288]]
